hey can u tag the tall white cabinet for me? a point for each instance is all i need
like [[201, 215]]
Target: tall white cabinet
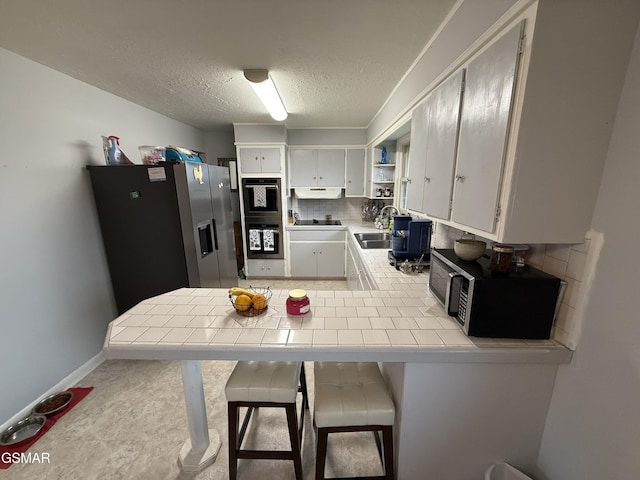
[[488, 99], [431, 166]]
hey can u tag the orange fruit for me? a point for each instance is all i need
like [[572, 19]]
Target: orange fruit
[[243, 302], [259, 301]]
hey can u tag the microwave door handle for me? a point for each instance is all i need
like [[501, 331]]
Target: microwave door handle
[[447, 297]]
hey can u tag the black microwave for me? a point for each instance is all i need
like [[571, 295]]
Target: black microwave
[[517, 304]]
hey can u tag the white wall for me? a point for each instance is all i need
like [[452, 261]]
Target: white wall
[[593, 425], [219, 145], [55, 293]]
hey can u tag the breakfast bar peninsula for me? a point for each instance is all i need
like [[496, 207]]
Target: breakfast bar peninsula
[[453, 393]]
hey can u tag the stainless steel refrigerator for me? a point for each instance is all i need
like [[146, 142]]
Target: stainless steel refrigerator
[[164, 227]]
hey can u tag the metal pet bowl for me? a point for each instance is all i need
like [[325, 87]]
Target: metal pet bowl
[[53, 404], [22, 430]]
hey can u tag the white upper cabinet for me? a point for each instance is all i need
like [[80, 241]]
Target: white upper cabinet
[[488, 97], [355, 172], [417, 157], [442, 132], [331, 165], [260, 160], [317, 167], [434, 133]]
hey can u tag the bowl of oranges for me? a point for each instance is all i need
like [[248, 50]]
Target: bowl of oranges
[[250, 302]]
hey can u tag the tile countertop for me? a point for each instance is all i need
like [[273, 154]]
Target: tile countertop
[[399, 322]]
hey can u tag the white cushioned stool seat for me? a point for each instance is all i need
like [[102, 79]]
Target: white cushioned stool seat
[[348, 394], [254, 385], [263, 382], [352, 397]]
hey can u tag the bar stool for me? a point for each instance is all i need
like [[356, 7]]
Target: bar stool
[[265, 384], [352, 397]]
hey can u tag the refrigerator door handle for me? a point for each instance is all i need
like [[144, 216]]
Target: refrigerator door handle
[[215, 233]]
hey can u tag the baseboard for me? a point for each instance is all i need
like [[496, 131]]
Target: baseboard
[[68, 381]]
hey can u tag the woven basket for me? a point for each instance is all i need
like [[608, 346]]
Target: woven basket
[[252, 312]]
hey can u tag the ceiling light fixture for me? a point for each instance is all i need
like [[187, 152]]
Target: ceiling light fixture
[[264, 87]]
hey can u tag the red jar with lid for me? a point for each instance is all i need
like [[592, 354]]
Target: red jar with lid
[[298, 303]]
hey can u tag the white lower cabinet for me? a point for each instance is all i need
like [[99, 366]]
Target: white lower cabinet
[[265, 268], [317, 253], [357, 276]]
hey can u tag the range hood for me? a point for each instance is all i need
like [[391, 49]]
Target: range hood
[[318, 192]]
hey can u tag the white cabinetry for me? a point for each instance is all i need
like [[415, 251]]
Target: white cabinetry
[[417, 157], [317, 167], [438, 158], [357, 276], [260, 160], [317, 253], [265, 268], [484, 122], [462, 186], [355, 172]]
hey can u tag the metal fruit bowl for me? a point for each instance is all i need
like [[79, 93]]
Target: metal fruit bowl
[[53, 404], [22, 430], [251, 311]]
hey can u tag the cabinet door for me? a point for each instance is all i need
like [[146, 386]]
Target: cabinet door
[[355, 172], [442, 133], [304, 167], [250, 160], [417, 156], [265, 268], [303, 259], [352, 270], [270, 160], [331, 167], [330, 259], [484, 123]]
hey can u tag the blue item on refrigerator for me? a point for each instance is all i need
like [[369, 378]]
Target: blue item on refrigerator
[[179, 154]]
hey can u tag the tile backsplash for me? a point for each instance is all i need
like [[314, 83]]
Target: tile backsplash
[[567, 262], [339, 208]]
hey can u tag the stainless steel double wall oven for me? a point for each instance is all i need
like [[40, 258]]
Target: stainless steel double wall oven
[[262, 199]]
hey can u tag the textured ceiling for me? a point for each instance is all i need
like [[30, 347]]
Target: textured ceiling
[[334, 62]]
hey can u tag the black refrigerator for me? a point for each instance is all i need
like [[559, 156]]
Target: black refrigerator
[[164, 227]]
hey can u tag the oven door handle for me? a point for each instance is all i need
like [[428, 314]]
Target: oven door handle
[[447, 295], [265, 186]]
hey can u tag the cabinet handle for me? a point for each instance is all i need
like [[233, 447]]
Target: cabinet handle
[[262, 267], [320, 252], [348, 181], [269, 268], [427, 179], [459, 178], [314, 252], [320, 178]]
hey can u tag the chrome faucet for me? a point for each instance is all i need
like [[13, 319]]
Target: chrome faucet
[[383, 219]]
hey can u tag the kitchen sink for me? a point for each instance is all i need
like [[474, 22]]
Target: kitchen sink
[[373, 240]]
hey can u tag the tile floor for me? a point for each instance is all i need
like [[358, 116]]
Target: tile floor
[[133, 424]]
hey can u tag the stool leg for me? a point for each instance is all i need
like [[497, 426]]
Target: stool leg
[[233, 419], [303, 388], [293, 437], [387, 440], [321, 452]]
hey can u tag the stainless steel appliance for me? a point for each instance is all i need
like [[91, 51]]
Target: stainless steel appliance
[[264, 237], [263, 218], [261, 196], [519, 304], [164, 227]]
